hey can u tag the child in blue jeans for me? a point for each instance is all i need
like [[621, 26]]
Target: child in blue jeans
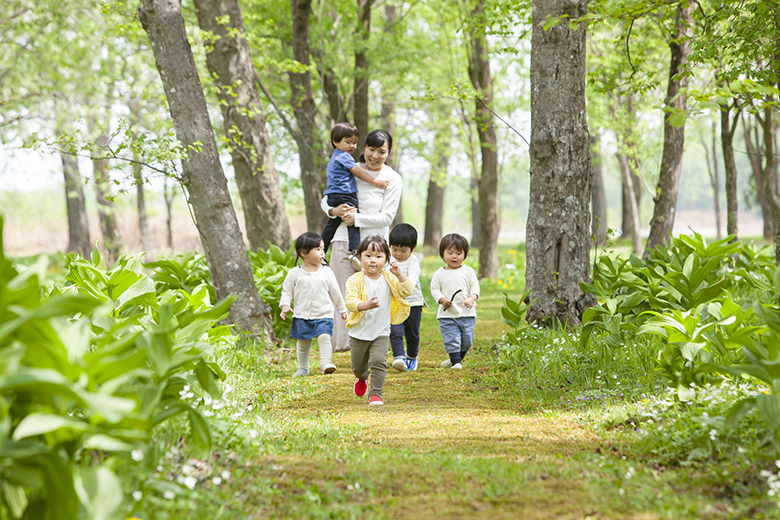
[[403, 240], [455, 288]]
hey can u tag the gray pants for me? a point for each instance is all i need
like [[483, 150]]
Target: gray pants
[[342, 268], [370, 355]]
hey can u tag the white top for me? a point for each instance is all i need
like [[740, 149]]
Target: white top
[[314, 293], [446, 282], [411, 269], [377, 206], [375, 322]]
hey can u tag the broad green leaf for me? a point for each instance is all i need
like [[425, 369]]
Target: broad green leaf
[[99, 491], [769, 407], [40, 423]]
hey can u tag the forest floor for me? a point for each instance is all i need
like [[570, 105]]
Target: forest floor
[[450, 444]]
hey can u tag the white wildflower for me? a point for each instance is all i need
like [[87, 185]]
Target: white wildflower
[[137, 455], [190, 482], [137, 495]]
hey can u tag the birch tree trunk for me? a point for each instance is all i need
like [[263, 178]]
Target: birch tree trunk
[[482, 81], [202, 175], [662, 223], [231, 67], [558, 226], [726, 143], [312, 158], [598, 199], [105, 202]]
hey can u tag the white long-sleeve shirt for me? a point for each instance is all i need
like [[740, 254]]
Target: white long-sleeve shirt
[[446, 282], [377, 206], [411, 269], [314, 293]]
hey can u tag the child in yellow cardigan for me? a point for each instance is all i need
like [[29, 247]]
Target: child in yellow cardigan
[[375, 299]]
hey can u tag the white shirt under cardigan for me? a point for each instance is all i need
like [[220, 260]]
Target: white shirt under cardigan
[[314, 293], [375, 322], [411, 269], [377, 206], [446, 282]]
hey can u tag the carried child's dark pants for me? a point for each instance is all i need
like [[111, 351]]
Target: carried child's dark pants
[[336, 199], [409, 329]]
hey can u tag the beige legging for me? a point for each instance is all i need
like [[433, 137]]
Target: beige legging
[[326, 352]]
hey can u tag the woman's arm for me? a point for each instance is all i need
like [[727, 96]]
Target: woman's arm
[[388, 209], [337, 212]]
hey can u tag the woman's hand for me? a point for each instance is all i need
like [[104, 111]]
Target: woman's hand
[[349, 218], [341, 210]]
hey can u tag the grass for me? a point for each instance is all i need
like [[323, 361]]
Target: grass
[[463, 444]]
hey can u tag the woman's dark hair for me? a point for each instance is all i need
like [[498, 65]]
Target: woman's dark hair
[[454, 240], [375, 242], [404, 235], [305, 243], [375, 139], [341, 131]]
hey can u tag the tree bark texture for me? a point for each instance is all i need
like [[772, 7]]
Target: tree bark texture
[[715, 178], [628, 156], [78, 226], [598, 200], [632, 231], [143, 220], [230, 65], [202, 175], [361, 69], [312, 158], [434, 206], [168, 197], [752, 143], [662, 223], [482, 81], [771, 187], [558, 226], [387, 117], [729, 164], [105, 203]]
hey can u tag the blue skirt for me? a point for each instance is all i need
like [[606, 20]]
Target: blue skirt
[[308, 329]]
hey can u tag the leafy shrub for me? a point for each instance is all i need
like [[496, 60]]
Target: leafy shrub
[[87, 372], [270, 268]]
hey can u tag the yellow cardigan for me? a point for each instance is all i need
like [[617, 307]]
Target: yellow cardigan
[[356, 293]]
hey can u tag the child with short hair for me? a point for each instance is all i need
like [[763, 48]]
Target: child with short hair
[[376, 300], [403, 241], [455, 288], [341, 188], [314, 289]]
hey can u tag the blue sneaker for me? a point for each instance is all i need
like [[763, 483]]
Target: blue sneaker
[[411, 363]]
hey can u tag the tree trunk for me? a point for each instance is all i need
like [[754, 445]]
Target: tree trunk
[[726, 142], [598, 199], [168, 196], [361, 69], [387, 117], [482, 81], [311, 156], [715, 178], [771, 187], [78, 227], [757, 167], [105, 202], [143, 220], [627, 147], [558, 228], [434, 207], [202, 175], [628, 177], [231, 67], [662, 223]]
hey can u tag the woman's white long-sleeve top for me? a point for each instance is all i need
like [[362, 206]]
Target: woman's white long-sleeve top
[[314, 294], [377, 206]]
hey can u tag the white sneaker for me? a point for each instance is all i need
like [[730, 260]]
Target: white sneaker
[[456, 366], [446, 363], [301, 373], [399, 364], [329, 368]]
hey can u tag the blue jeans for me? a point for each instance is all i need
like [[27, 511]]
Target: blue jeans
[[458, 335], [409, 329]]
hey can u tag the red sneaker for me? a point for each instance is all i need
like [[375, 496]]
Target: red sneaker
[[360, 387], [375, 400]]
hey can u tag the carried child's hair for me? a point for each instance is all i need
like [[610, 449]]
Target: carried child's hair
[[341, 131], [454, 240], [305, 243], [404, 235], [375, 243]]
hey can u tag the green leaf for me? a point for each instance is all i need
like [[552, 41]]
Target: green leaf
[[737, 412], [769, 407], [99, 491], [40, 423], [684, 393]]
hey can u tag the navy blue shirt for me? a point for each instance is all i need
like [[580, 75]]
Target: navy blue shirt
[[340, 180]]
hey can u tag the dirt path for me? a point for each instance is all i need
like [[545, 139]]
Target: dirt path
[[444, 445]]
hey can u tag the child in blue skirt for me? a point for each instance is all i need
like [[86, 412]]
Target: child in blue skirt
[[315, 291]]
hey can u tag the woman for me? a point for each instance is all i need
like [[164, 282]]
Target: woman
[[377, 210]]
